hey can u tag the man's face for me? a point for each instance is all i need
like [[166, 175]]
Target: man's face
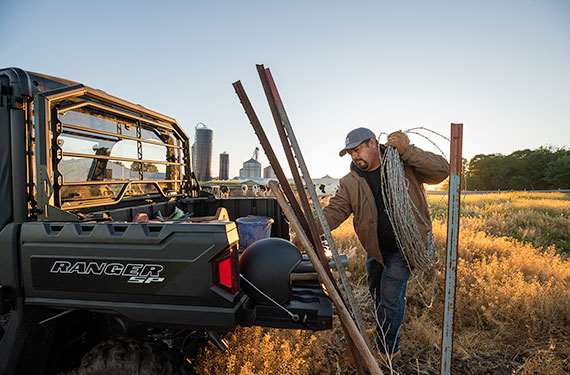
[[365, 156]]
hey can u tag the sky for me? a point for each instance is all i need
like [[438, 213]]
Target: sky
[[502, 68]]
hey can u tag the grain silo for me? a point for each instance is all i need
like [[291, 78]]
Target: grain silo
[[224, 166], [268, 172], [251, 168], [202, 152]]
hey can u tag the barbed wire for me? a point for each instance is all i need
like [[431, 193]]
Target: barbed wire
[[432, 142], [416, 132], [402, 211], [429, 130]]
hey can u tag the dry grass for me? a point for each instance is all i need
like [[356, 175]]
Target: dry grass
[[542, 219], [513, 301], [270, 351]]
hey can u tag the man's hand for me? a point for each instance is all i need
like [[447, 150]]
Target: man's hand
[[398, 140]]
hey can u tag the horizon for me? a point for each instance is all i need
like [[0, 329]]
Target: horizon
[[501, 69]]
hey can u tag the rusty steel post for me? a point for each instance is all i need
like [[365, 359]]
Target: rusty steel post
[[304, 219], [314, 231], [285, 130], [253, 119], [344, 315], [250, 112], [452, 243]]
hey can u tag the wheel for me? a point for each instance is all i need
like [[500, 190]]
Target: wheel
[[126, 356]]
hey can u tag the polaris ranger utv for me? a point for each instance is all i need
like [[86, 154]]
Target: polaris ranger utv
[[110, 251]]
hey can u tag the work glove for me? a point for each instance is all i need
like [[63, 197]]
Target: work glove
[[399, 141]]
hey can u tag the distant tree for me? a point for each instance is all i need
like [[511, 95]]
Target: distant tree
[[543, 168], [486, 172], [558, 173], [515, 170], [536, 165]]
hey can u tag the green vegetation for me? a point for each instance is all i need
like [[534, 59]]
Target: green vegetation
[[541, 169], [542, 219]]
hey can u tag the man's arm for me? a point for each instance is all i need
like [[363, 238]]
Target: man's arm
[[339, 207], [337, 211], [430, 168]]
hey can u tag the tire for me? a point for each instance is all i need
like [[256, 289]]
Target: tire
[[122, 356]]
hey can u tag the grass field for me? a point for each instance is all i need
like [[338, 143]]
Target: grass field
[[512, 308]]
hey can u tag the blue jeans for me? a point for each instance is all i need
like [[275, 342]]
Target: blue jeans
[[388, 288]]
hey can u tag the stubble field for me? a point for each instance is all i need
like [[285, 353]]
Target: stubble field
[[512, 306]]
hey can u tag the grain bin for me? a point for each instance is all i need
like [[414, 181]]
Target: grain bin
[[202, 152], [224, 166]]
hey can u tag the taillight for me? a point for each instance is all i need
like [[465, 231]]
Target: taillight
[[226, 271]]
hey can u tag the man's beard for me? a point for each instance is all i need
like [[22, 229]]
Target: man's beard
[[363, 166]]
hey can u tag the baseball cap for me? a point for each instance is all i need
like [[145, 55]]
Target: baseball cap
[[356, 137]]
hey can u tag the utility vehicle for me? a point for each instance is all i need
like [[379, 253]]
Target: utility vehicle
[[109, 249]]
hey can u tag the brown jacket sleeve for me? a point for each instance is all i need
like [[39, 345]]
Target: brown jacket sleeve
[[339, 207], [429, 167]]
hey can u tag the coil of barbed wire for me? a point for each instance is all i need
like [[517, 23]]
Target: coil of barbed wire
[[402, 212]]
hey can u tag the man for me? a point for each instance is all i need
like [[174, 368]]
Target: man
[[359, 194]]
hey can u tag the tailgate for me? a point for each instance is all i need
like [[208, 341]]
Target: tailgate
[[150, 272]]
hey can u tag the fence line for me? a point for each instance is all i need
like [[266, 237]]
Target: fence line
[[444, 192]]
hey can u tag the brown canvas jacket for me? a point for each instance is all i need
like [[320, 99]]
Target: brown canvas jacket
[[355, 197]]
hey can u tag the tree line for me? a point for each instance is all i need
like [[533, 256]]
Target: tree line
[[542, 169]]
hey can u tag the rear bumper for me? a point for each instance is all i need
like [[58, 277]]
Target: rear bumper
[[196, 317], [308, 302]]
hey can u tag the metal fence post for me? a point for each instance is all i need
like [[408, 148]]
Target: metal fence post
[[452, 242]]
